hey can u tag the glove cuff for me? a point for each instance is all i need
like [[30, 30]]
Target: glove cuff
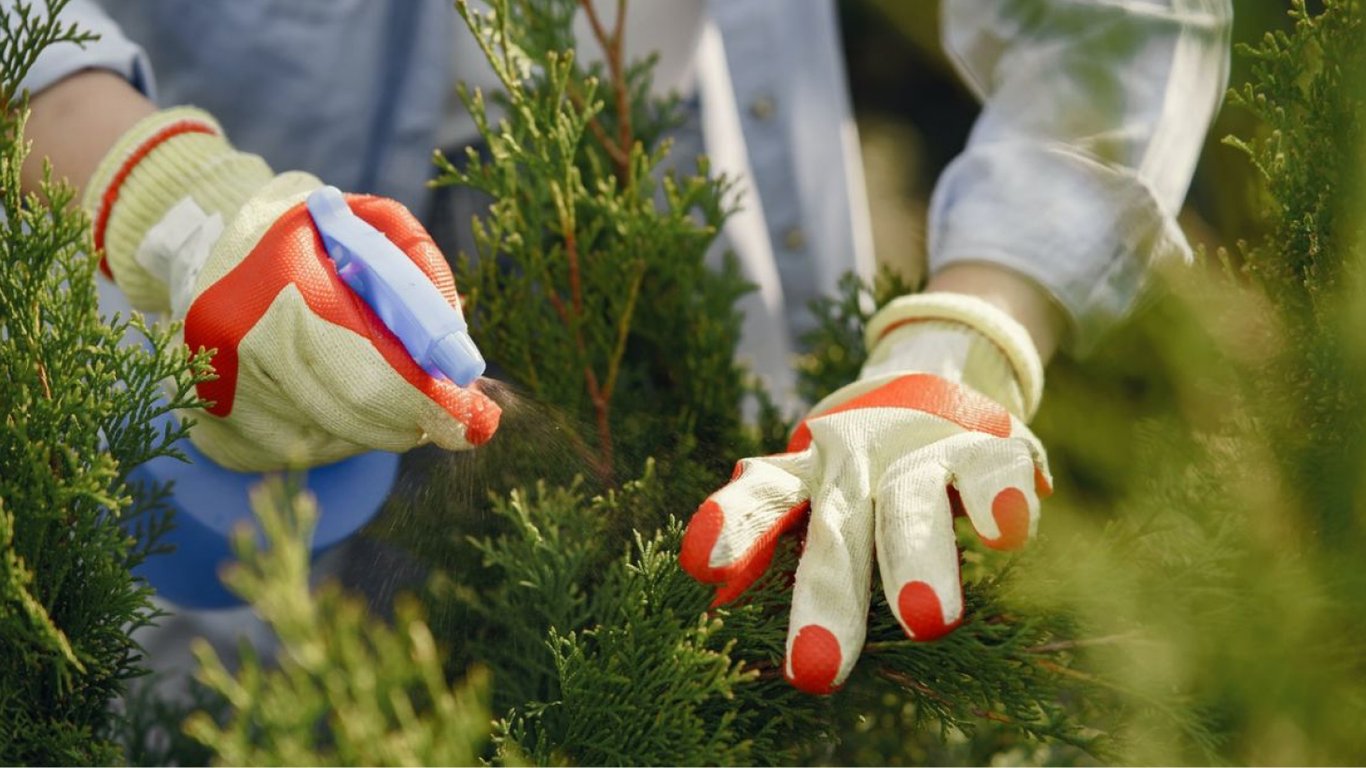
[[960, 337], [161, 162]]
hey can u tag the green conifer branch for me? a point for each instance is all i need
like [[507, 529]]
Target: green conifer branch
[[583, 221], [75, 417], [348, 689]]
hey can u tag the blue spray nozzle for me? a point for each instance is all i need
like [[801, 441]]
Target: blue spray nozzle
[[433, 332]]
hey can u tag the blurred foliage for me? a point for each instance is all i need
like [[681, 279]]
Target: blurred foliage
[[1307, 91], [345, 689], [1224, 425], [1208, 457]]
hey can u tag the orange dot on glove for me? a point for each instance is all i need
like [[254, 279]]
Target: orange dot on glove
[[814, 660], [1010, 508], [922, 615]]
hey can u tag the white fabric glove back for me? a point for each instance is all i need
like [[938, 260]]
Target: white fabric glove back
[[876, 466]]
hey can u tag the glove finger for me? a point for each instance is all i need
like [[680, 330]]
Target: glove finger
[[383, 400], [999, 483], [917, 553], [731, 538], [830, 595], [259, 438]]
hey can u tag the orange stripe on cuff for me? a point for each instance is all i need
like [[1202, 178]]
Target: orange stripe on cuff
[[111, 193]]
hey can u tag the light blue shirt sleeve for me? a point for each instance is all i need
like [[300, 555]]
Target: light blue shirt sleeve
[[112, 51], [1094, 116], [350, 90]]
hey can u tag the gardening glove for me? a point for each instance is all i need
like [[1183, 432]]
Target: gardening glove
[[307, 373], [937, 416]]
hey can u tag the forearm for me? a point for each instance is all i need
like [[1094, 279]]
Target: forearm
[[74, 122]]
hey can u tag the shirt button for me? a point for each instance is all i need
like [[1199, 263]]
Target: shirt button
[[794, 239], [762, 108]]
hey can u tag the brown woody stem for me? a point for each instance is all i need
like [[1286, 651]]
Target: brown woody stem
[[612, 50]]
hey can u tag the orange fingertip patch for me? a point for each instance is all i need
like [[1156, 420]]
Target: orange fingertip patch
[[1041, 485], [483, 419], [741, 574], [1010, 508], [814, 660], [922, 615], [698, 541]]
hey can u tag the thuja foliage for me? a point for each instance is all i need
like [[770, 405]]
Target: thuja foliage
[[348, 690], [75, 416], [601, 648], [1307, 90], [589, 288]]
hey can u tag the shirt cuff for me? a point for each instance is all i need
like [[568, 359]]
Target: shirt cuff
[[1086, 232], [112, 51]]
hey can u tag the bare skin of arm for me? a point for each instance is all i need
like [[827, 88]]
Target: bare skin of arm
[[75, 121], [1019, 297]]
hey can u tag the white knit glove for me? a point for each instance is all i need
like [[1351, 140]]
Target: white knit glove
[[937, 412], [306, 372]]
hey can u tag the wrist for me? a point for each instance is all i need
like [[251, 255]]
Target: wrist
[[102, 103], [1012, 293], [172, 172], [960, 338]]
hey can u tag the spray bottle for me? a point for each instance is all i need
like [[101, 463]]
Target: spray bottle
[[210, 501]]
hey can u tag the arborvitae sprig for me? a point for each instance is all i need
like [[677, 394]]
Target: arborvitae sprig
[[602, 651], [75, 417], [349, 690], [589, 288], [1308, 88]]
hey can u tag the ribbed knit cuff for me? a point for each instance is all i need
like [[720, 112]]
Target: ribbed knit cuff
[[962, 338], [164, 159]]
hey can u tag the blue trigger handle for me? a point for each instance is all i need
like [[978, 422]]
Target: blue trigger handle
[[433, 332]]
